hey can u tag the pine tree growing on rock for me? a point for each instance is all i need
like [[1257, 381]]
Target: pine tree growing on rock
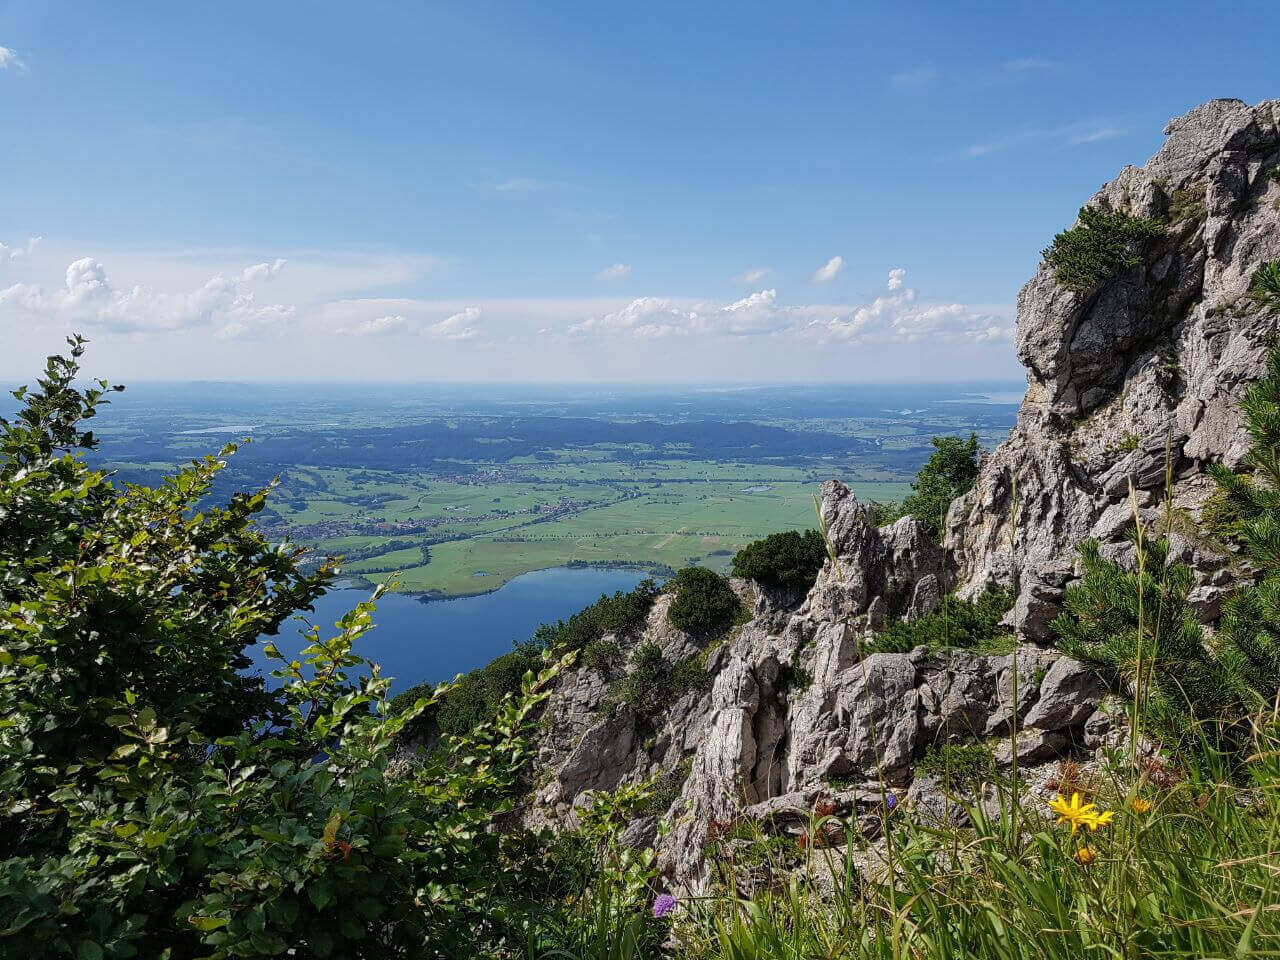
[[1249, 508]]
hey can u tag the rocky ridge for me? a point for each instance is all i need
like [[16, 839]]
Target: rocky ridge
[[1144, 372]]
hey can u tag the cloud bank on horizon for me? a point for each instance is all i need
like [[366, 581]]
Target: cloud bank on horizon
[[272, 306]]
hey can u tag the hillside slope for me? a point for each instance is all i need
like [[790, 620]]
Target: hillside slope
[[1152, 355]]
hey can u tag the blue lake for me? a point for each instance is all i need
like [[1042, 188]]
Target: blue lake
[[417, 641]]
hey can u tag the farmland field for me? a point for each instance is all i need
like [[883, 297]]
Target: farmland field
[[453, 492]]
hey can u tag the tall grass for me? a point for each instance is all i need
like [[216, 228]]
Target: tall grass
[[1195, 875]]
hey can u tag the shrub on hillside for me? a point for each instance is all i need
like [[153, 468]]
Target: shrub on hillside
[[784, 560], [960, 766], [1180, 678], [618, 613], [1185, 675], [652, 683], [473, 700], [950, 472], [158, 801], [704, 603], [1264, 286], [1248, 641], [957, 623], [1101, 247]]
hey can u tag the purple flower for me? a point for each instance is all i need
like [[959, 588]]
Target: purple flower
[[891, 801], [663, 904]]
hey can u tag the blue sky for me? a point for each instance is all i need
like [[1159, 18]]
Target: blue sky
[[570, 190]]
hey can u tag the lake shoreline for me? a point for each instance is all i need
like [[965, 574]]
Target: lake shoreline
[[416, 642], [659, 571]]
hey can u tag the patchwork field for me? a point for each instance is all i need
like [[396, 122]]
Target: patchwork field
[[455, 494], [672, 526]]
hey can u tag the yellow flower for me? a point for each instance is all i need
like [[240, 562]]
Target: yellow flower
[[1097, 820], [1073, 812], [1086, 855], [1079, 814], [1139, 805]]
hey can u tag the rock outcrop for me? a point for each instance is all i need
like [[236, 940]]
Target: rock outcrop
[[1153, 362], [1141, 374]]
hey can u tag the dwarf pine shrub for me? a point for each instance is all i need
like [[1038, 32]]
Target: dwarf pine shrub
[[1100, 624], [704, 603], [784, 560], [1264, 286], [1102, 246], [963, 624], [1247, 510]]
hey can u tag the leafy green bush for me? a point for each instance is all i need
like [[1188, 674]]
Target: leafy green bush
[[618, 613], [652, 683], [1264, 286], [158, 801], [950, 472], [1100, 248], [704, 602], [957, 623], [785, 560]]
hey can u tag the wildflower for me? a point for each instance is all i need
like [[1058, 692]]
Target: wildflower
[[1075, 813], [1086, 855], [1079, 814], [663, 904], [891, 802], [1139, 805]]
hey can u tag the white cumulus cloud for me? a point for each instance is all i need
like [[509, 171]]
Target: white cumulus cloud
[[459, 326], [615, 272], [898, 317], [753, 275], [375, 326], [262, 271], [646, 318], [88, 296], [829, 270], [756, 314], [9, 60]]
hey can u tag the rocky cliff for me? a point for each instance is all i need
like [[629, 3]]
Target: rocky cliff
[[1159, 356], [1139, 372]]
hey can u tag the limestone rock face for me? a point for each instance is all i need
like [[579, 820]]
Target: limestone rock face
[[1141, 374], [1149, 367], [791, 707]]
